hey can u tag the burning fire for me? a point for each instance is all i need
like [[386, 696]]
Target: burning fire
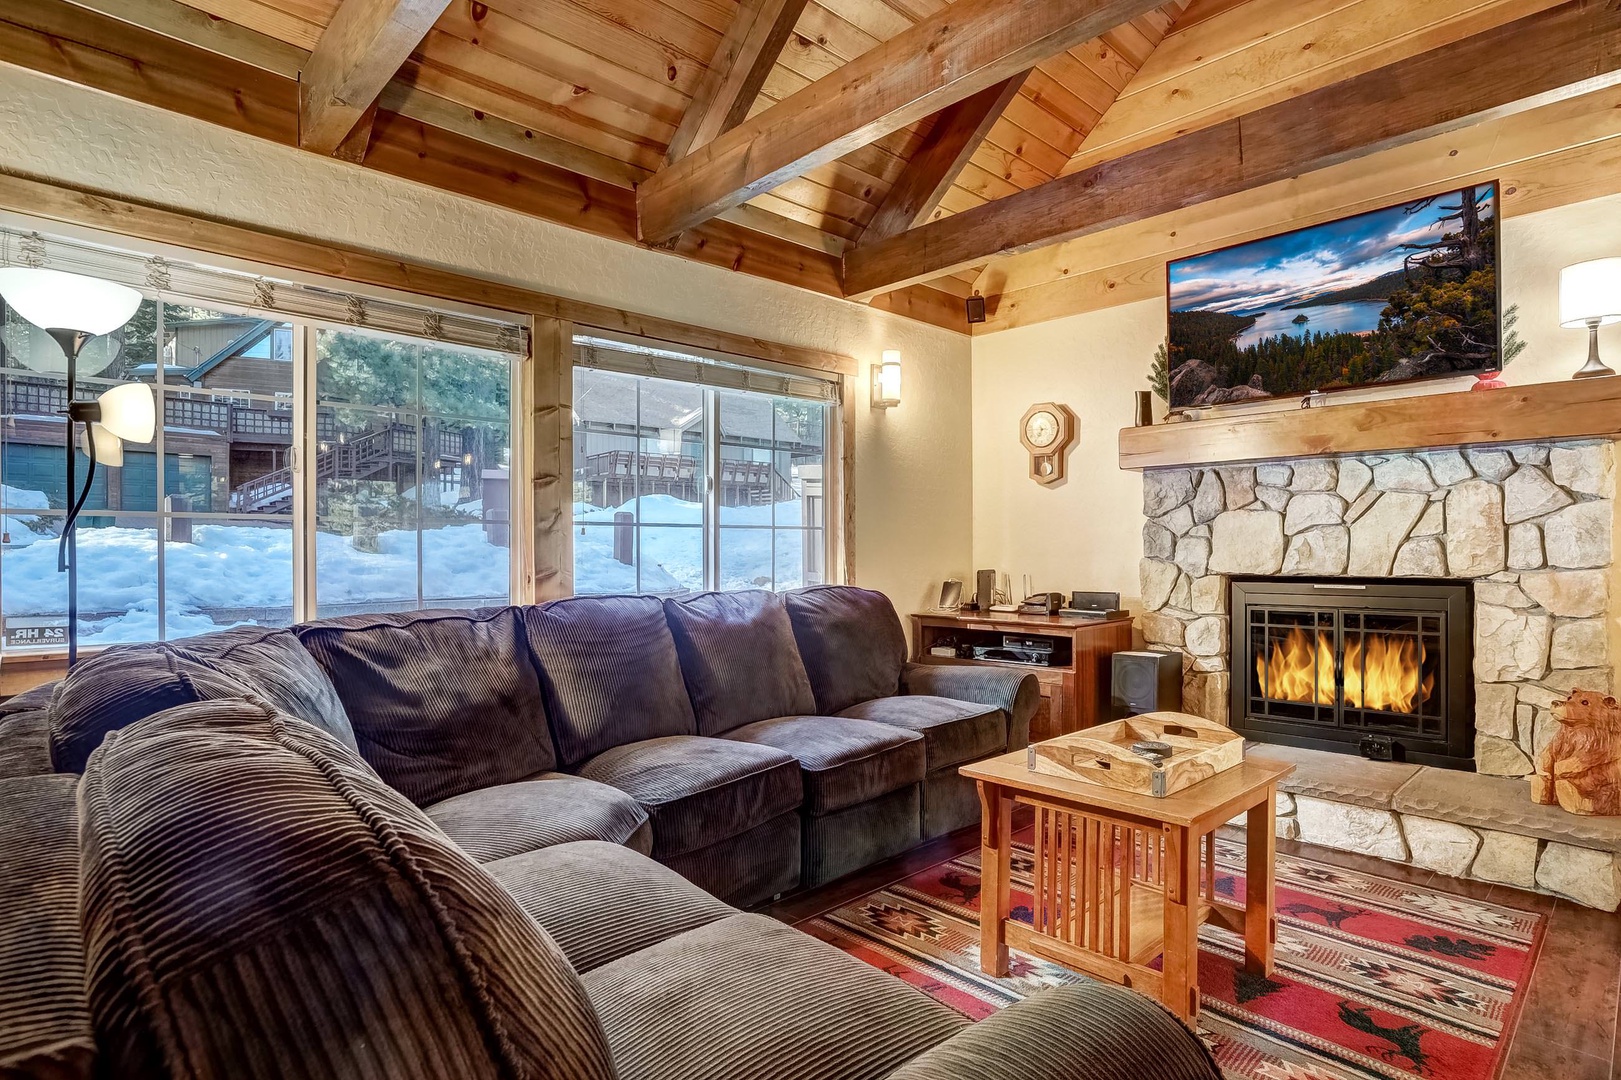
[[1392, 677]]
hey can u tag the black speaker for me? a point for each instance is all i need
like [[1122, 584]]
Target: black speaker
[[1145, 682]]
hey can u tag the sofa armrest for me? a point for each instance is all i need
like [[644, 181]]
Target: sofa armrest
[[1016, 693], [1088, 1031]]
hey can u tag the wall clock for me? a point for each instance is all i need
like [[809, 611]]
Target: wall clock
[[1046, 431]]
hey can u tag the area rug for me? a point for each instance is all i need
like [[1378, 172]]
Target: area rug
[[1374, 978]]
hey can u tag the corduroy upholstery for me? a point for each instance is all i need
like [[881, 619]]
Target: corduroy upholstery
[[601, 901], [610, 672], [1016, 693], [552, 808], [842, 762], [851, 643], [738, 658], [32, 700], [954, 732], [714, 1004], [749, 868], [283, 673], [44, 1018], [258, 904], [25, 744], [1084, 1032], [698, 790], [128, 683], [441, 702], [846, 840]]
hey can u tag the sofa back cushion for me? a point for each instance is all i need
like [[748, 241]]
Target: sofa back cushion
[[738, 658], [610, 673], [851, 642], [128, 683], [283, 672], [442, 702], [44, 1016], [258, 903]]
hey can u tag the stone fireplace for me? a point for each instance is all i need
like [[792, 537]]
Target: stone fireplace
[[1527, 526]]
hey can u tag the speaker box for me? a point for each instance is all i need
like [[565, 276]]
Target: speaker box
[[985, 589], [1143, 682]]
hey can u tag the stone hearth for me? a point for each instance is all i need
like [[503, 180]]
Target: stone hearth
[[1529, 525]]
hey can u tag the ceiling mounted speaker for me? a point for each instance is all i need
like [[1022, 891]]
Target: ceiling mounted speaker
[[976, 308]]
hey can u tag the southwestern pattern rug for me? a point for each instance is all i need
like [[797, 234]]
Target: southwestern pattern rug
[[1374, 978]]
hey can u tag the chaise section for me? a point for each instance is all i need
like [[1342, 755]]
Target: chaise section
[[846, 765], [600, 902], [747, 998], [1084, 1032], [442, 702], [954, 733], [354, 939], [553, 808], [699, 791], [45, 1028]]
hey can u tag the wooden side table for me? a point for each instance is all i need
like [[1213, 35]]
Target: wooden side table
[[1121, 878]]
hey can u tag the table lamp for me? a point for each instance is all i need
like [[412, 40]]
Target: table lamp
[[1590, 296]]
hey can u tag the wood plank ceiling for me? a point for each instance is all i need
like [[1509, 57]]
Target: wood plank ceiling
[[598, 89]]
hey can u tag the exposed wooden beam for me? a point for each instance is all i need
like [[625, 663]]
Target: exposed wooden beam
[[1265, 51], [957, 133], [952, 55], [359, 52], [730, 86], [1561, 153], [1511, 68]]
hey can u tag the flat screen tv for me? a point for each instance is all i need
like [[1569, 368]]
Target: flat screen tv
[[1408, 292]]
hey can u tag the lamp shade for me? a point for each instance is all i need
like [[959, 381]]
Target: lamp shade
[[129, 413], [1590, 290], [109, 447], [886, 381], [57, 300]]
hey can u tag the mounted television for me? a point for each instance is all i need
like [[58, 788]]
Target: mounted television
[[1395, 295]]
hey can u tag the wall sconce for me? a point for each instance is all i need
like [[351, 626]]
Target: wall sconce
[[886, 380], [1590, 296]]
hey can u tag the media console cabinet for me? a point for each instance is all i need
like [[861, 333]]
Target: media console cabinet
[[1074, 686]]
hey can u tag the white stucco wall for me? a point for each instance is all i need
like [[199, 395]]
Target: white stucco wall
[[912, 495]]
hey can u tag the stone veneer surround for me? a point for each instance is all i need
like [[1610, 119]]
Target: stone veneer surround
[[1529, 524]]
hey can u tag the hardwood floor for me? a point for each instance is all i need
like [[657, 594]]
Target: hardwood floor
[[1568, 1027]]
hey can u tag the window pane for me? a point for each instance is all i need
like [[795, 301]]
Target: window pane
[[223, 573], [362, 369], [672, 559], [366, 512], [465, 556], [797, 453], [745, 558], [118, 583], [466, 382]]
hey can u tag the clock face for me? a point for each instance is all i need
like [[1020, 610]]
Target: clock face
[[1041, 429]]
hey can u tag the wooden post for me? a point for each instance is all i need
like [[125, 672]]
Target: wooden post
[[625, 537], [995, 905], [551, 452], [1260, 857]]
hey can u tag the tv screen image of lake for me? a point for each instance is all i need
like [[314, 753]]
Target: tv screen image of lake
[[1355, 317]]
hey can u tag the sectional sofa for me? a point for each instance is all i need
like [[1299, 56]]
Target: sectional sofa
[[418, 845]]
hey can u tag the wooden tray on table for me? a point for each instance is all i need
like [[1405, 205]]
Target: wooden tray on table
[[1102, 755]]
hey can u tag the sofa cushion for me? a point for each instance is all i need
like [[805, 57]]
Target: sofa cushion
[[355, 940], [842, 761], [283, 672], [442, 702], [31, 700], [128, 683], [747, 998], [954, 732], [44, 1018], [609, 668], [25, 744], [698, 790], [601, 901], [738, 658], [851, 642], [552, 808]]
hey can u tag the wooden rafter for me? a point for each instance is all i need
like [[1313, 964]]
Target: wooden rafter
[[957, 133], [952, 55], [732, 82], [1508, 69], [361, 49]]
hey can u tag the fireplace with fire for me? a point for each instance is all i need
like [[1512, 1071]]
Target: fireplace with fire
[[1380, 668]]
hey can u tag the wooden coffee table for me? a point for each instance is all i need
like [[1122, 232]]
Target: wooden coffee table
[[1121, 878]]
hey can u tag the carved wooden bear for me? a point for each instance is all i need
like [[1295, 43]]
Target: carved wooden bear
[[1580, 769]]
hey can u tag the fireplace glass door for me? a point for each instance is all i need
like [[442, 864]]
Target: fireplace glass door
[[1333, 662]]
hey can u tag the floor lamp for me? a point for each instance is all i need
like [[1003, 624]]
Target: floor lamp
[[73, 309]]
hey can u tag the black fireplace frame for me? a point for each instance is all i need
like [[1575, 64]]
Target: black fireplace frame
[[1452, 601]]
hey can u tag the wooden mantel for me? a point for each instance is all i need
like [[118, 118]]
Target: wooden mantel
[[1590, 408]]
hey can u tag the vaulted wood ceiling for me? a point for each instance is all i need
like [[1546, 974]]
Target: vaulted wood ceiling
[[1048, 153]]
